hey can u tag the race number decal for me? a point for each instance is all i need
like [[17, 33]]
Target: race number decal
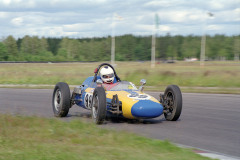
[[88, 100], [137, 96]]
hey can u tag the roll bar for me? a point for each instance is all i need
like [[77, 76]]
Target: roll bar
[[100, 66]]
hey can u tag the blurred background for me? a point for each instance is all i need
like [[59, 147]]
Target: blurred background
[[63, 30], [188, 43]]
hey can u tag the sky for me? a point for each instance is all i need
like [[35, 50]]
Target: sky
[[100, 18]]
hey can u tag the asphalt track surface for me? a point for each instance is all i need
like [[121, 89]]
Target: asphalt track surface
[[208, 121]]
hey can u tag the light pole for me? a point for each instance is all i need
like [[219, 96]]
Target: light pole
[[153, 51], [203, 42], [203, 45], [113, 37], [113, 43]]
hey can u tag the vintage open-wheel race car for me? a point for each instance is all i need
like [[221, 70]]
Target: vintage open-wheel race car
[[118, 99]]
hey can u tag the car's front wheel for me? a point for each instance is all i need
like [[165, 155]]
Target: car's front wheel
[[173, 103], [61, 99], [99, 105]]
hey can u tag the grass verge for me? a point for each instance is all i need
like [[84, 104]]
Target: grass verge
[[221, 76], [36, 138]]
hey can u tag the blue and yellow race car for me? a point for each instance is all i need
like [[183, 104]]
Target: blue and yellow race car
[[119, 99]]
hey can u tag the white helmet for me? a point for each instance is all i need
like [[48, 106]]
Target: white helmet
[[107, 74]]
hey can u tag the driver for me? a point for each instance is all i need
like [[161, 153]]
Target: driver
[[107, 75]]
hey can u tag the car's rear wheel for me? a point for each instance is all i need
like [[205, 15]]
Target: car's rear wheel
[[61, 99], [99, 105], [173, 103]]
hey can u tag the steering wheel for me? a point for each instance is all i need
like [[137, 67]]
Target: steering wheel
[[98, 69]]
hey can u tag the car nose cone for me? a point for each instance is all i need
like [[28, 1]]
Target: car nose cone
[[147, 109]]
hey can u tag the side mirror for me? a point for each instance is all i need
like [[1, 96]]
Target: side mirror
[[142, 82]]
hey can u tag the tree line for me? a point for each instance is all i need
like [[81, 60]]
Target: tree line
[[127, 48]]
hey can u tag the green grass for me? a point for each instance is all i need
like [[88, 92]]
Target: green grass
[[24, 138], [185, 74]]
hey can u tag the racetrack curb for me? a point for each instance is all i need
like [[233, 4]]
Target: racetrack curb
[[209, 154]]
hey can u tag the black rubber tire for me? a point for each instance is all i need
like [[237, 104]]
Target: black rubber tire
[[99, 105], [61, 99], [174, 96]]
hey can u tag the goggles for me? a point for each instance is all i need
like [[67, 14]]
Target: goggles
[[108, 75]]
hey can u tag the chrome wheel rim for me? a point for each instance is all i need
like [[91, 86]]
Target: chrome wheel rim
[[95, 107], [57, 99]]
